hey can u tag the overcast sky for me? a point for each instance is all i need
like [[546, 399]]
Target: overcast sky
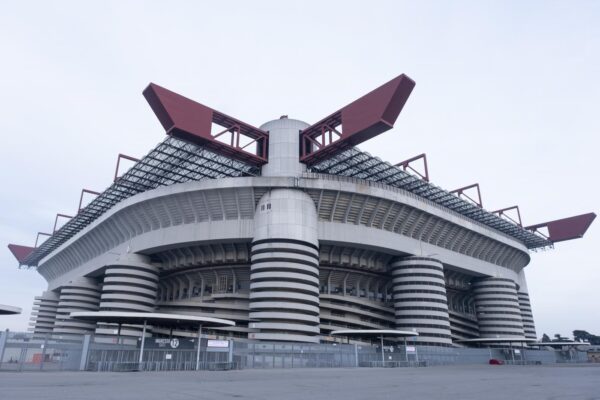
[[507, 95]]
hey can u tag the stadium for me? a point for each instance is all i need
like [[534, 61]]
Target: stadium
[[293, 233]]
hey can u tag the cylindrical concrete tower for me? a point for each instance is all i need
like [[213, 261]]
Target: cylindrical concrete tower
[[81, 294], [284, 275], [527, 315], [497, 308], [284, 147], [44, 313], [525, 306], [420, 301], [129, 285]]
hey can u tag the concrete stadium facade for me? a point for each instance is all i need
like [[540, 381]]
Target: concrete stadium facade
[[305, 236], [291, 255]]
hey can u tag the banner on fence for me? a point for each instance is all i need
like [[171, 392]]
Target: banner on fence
[[169, 344]]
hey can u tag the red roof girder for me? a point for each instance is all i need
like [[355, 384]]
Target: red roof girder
[[20, 252], [361, 120], [564, 229], [188, 120]]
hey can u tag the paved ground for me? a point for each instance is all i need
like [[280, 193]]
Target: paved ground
[[452, 382]]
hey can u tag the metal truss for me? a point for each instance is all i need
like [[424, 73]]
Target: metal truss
[[172, 161], [362, 165]]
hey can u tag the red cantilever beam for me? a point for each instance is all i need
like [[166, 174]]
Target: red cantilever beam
[[83, 191], [369, 116], [56, 220], [191, 121], [461, 191], [20, 252], [566, 228], [406, 164], [503, 211], [119, 157], [37, 238]]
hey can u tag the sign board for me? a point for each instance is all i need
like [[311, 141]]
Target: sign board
[[168, 344], [411, 349], [517, 351], [218, 343], [168, 356]]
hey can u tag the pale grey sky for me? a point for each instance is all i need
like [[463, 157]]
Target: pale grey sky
[[507, 95]]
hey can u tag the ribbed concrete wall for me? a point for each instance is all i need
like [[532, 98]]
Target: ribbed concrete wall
[[284, 275], [353, 299], [219, 292], [497, 308], [43, 315], [129, 285], [463, 326], [527, 315], [82, 294], [420, 301]]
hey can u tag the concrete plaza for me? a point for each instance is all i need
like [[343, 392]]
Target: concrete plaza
[[449, 382]]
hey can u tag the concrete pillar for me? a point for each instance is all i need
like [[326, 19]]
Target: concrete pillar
[[497, 308], [130, 284], [284, 147], [284, 275], [525, 306], [81, 294], [43, 315], [420, 301], [527, 315]]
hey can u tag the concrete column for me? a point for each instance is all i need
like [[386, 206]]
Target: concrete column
[[284, 275], [420, 301], [130, 284], [43, 315], [527, 315], [497, 308], [525, 306], [81, 294], [284, 147]]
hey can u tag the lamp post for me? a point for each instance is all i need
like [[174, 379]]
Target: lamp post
[[141, 359], [198, 350]]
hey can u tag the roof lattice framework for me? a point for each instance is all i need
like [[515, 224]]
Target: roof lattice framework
[[172, 161], [362, 165]]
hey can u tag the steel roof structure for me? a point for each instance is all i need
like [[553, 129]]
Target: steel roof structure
[[172, 161], [192, 152], [176, 161], [358, 164]]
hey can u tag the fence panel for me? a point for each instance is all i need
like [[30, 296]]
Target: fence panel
[[25, 352]]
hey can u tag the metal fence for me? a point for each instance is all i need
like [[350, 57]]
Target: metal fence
[[24, 352]]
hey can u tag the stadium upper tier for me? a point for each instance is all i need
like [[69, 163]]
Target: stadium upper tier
[[194, 152], [175, 161]]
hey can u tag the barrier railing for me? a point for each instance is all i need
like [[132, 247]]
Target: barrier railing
[[25, 352]]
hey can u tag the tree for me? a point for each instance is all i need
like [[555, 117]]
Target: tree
[[545, 338], [557, 338], [585, 336]]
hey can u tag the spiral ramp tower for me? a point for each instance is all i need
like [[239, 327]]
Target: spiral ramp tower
[[82, 294], [498, 310], [526, 315], [130, 284], [284, 274], [43, 315], [420, 300]]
